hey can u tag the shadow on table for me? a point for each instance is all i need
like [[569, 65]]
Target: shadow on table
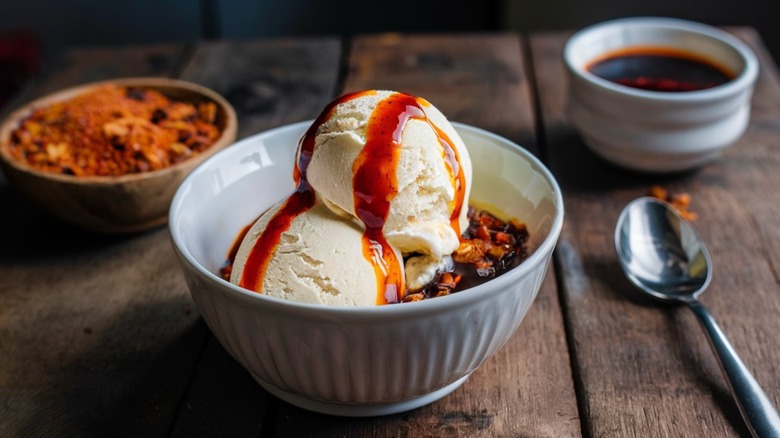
[[31, 234], [224, 400], [704, 367], [685, 338], [125, 378], [579, 169]]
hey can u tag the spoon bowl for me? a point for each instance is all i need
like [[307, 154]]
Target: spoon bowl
[[661, 253]]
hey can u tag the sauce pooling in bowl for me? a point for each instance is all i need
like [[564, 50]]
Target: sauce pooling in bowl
[[660, 69]]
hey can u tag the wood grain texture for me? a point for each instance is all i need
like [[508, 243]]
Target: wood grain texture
[[474, 79], [643, 369], [526, 388], [83, 65], [95, 331], [270, 83]]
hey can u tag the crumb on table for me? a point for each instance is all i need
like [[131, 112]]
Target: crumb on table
[[680, 201]]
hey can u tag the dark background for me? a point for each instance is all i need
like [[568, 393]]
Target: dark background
[[32, 32]]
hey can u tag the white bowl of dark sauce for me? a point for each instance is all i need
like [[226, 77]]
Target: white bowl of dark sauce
[[658, 94]]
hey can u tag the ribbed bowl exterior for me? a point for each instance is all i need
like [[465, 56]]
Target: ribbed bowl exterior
[[364, 359]]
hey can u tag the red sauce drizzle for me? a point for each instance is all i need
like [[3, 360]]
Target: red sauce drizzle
[[458, 178], [375, 185], [257, 262], [237, 242], [301, 200]]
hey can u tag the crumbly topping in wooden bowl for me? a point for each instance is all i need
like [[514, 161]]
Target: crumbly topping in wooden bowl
[[113, 130]]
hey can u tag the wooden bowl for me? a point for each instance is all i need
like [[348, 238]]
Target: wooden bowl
[[112, 204]]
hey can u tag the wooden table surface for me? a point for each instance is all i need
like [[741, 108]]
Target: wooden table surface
[[99, 336]]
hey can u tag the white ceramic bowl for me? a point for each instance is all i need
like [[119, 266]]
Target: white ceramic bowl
[[368, 360], [658, 131]]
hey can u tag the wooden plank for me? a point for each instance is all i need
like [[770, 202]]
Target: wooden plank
[[475, 79], [95, 331], [525, 389], [645, 370], [270, 83], [82, 65]]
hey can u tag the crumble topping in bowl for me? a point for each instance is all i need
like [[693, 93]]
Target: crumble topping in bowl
[[113, 130]]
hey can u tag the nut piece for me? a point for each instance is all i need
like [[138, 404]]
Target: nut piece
[[680, 201]]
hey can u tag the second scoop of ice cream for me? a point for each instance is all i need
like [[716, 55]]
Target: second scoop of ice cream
[[433, 169], [318, 260]]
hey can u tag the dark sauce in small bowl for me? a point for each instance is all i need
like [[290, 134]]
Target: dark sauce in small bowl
[[660, 69]]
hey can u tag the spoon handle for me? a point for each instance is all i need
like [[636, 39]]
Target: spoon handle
[[756, 408]]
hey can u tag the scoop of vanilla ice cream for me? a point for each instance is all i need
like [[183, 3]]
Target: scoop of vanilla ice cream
[[320, 257], [419, 216], [319, 260]]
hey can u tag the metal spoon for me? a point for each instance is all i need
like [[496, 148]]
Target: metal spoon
[[661, 253]]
